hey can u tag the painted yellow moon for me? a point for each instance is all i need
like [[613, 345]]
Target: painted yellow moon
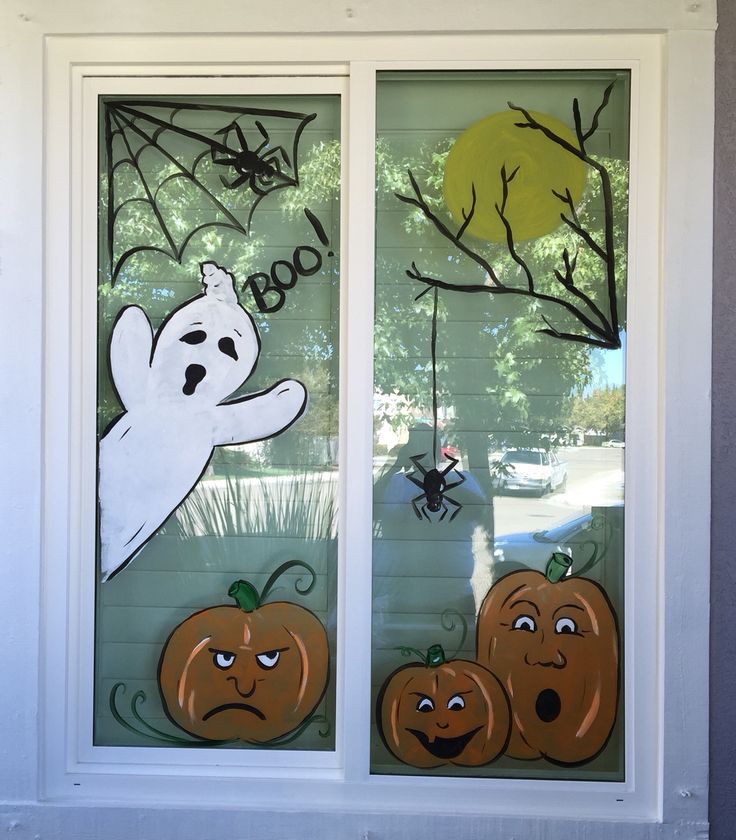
[[477, 157]]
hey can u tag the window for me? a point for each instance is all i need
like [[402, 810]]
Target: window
[[484, 394], [217, 420], [500, 321]]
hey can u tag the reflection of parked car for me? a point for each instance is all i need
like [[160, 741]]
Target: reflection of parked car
[[581, 535], [614, 443], [530, 469], [449, 450]]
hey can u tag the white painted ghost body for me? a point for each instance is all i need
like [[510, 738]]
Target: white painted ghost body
[[173, 388]]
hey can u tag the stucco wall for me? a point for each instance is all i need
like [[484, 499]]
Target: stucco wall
[[723, 567]]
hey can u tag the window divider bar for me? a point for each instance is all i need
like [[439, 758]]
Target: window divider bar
[[357, 414]]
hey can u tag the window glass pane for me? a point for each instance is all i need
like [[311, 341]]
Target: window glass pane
[[499, 338], [217, 416]]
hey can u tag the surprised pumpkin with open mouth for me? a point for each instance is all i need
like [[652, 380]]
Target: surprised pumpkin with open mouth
[[552, 640]]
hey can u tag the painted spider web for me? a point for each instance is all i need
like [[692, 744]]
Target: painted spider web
[[175, 169]]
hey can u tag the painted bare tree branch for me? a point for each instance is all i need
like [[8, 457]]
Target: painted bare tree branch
[[600, 329]]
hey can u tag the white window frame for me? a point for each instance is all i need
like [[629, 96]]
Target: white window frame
[[666, 521]]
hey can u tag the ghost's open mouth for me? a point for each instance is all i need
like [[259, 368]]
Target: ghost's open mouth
[[447, 748], [194, 374]]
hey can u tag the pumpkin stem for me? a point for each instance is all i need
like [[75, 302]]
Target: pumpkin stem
[[290, 564], [558, 566], [435, 657], [245, 595]]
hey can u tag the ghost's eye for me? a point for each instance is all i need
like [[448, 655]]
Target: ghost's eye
[[223, 659], [227, 346], [524, 622], [194, 337], [425, 705], [455, 703], [269, 659], [565, 625]]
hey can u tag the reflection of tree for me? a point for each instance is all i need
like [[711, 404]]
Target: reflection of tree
[[598, 318], [602, 411], [570, 270]]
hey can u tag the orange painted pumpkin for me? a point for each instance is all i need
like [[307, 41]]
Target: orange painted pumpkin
[[552, 640], [440, 712], [247, 671]]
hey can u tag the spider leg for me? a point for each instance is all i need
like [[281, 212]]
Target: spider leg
[[416, 481], [415, 459], [234, 184], [257, 150], [426, 515], [457, 505], [461, 478], [284, 154], [264, 133], [275, 164], [451, 466], [223, 161], [252, 182], [241, 137], [444, 511], [414, 505]]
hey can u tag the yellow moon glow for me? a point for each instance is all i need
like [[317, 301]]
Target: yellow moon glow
[[477, 157]]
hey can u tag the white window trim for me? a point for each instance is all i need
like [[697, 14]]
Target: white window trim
[[667, 489]]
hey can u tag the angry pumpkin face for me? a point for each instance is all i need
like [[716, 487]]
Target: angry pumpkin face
[[254, 675], [554, 645], [436, 713]]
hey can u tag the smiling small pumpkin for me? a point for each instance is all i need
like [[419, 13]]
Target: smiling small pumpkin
[[248, 671], [440, 712], [552, 640]]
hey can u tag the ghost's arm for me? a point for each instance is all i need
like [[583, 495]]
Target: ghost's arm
[[130, 354], [259, 416]]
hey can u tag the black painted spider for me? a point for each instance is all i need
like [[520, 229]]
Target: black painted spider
[[258, 167], [434, 488]]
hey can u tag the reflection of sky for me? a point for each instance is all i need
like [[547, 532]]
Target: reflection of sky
[[609, 367]]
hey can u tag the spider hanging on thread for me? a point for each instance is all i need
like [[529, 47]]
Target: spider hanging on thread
[[433, 482]]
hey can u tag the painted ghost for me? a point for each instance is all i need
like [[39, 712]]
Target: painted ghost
[[173, 387]]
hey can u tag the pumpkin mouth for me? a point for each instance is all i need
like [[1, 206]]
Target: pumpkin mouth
[[548, 705], [446, 748], [226, 707]]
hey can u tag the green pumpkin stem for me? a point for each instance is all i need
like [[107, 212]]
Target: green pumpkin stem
[[245, 595], [435, 657], [558, 567]]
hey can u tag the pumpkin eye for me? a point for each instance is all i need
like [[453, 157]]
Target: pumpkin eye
[[269, 659], [565, 625], [524, 622], [425, 705], [223, 659], [455, 703]]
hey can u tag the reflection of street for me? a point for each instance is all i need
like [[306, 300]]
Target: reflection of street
[[594, 477]]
